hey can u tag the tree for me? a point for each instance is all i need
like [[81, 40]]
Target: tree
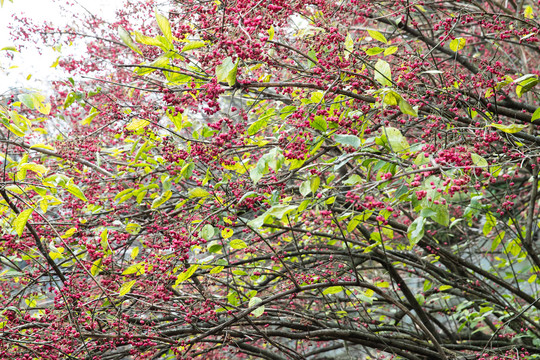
[[278, 180]]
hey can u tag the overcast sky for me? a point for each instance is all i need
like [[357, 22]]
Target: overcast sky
[[30, 62]]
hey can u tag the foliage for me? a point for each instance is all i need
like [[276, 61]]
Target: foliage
[[277, 180]]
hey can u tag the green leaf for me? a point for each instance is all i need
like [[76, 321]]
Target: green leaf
[[279, 211], [511, 129], [317, 97], [76, 191], [256, 126], [27, 100], [390, 50], [193, 45], [319, 123], [348, 140], [445, 287], [491, 222], [87, 120], [406, 108], [457, 44], [253, 302], [374, 51], [34, 101], [442, 215], [273, 159], [497, 240], [187, 170], [286, 111], [226, 71], [332, 290], [161, 62], [161, 199], [259, 170], [524, 78], [315, 182], [207, 232], [353, 180], [478, 160], [146, 40], [198, 193], [165, 44], [126, 287], [428, 212], [303, 205], [415, 232], [525, 83], [237, 244], [133, 228], [186, 274], [20, 222], [164, 26], [377, 36], [353, 223], [535, 115], [358, 219], [214, 247], [233, 298], [383, 74], [395, 139], [70, 99], [305, 188], [126, 38]]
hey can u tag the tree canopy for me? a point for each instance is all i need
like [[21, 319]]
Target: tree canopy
[[278, 180]]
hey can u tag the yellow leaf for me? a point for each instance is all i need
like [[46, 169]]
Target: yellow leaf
[[43, 205], [217, 270], [271, 32], [42, 146], [137, 269], [165, 26], [134, 252], [20, 222], [198, 192], [186, 274], [238, 244], [39, 169], [226, 233], [126, 287], [528, 12], [457, 44], [377, 36], [137, 124], [69, 233], [96, 266]]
